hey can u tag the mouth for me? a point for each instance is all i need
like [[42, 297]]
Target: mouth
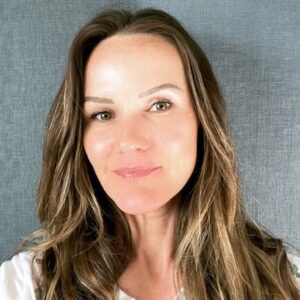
[[134, 173]]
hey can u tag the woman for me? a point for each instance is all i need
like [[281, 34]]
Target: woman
[[139, 195]]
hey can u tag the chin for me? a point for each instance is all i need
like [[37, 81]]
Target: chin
[[144, 206], [135, 208]]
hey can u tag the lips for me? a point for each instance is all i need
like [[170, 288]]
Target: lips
[[135, 172]]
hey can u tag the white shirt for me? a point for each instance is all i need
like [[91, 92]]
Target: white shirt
[[16, 281]]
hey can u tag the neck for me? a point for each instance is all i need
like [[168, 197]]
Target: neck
[[153, 238]]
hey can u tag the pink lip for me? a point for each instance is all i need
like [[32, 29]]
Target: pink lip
[[131, 173]]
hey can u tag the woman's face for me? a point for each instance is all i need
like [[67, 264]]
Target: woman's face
[[141, 137]]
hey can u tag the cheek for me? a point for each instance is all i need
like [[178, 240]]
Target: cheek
[[181, 147], [96, 146]]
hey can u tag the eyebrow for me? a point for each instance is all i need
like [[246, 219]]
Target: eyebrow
[[143, 94]]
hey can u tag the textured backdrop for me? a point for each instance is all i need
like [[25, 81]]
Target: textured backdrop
[[254, 47]]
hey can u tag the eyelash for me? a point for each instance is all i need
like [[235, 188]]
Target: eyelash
[[94, 115]]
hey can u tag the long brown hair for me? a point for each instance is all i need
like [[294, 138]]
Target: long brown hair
[[219, 252]]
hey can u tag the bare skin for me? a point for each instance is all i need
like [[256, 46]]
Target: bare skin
[[150, 275], [122, 76]]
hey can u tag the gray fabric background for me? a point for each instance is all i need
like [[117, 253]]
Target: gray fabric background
[[254, 47]]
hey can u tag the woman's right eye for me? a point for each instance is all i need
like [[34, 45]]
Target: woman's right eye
[[101, 116]]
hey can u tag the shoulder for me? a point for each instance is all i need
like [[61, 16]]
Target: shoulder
[[16, 279], [295, 262]]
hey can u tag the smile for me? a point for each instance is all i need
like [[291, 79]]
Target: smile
[[127, 173]]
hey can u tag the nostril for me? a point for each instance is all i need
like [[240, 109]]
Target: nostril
[[132, 146]]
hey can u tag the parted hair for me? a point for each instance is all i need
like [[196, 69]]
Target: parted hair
[[85, 239]]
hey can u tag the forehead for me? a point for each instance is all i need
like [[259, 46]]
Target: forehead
[[135, 53], [135, 44]]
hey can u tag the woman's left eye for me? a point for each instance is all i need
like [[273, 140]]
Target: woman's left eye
[[161, 105]]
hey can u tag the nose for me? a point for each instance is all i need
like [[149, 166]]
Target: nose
[[133, 135]]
